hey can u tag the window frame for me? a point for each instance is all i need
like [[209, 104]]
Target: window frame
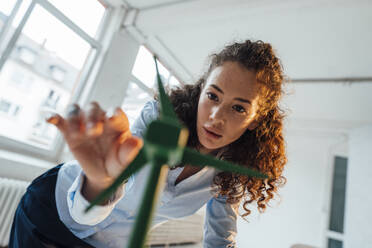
[[8, 23], [340, 149], [54, 153], [142, 85]]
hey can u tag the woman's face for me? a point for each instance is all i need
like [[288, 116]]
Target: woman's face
[[227, 106]]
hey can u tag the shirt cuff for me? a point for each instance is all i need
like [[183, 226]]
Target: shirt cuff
[[77, 204]]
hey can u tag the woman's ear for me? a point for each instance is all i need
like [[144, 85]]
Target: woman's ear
[[253, 125]]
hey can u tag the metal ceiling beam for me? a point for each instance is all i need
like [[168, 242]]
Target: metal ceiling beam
[[332, 80], [166, 4], [154, 44]]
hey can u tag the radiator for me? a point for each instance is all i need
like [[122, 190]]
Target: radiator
[[11, 192], [188, 230]]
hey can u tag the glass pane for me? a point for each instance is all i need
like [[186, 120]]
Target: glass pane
[[144, 68], [173, 81], [88, 19], [338, 195], [332, 243], [49, 33], [22, 10], [40, 75], [135, 99], [6, 8], [6, 34]]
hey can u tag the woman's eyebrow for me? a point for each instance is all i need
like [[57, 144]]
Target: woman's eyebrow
[[237, 98]]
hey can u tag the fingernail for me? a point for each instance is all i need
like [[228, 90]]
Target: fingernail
[[50, 117], [52, 120], [73, 110]]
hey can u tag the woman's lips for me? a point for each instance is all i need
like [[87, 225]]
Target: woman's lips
[[211, 134]]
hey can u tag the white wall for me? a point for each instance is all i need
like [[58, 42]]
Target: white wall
[[358, 216], [301, 215], [320, 116]]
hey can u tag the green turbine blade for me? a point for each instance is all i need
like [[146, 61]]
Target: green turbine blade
[[193, 157], [154, 185], [166, 105], [133, 167]]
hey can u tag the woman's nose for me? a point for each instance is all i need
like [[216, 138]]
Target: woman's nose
[[217, 116]]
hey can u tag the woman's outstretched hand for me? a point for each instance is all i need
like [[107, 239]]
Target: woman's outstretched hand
[[101, 142]]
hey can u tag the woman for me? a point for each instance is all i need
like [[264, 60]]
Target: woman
[[232, 113]]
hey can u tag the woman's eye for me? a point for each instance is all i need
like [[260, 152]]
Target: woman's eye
[[239, 108], [211, 96]]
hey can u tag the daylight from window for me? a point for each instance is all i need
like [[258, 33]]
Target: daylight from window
[[44, 66], [144, 72]]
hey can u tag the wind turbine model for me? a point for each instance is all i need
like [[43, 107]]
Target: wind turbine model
[[164, 146]]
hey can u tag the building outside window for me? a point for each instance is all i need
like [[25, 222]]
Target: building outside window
[[26, 54], [4, 106], [57, 73], [9, 109], [52, 100], [42, 66], [21, 81]]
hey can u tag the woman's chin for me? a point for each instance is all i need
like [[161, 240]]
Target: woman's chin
[[209, 146]]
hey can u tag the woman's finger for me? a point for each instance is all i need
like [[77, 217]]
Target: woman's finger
[[57, 121], [121, 156], [117, 121], [75, 122], [129, 150], [95, 118]]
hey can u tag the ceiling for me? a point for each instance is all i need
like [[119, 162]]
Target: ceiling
[[319, 40], [152, 4]]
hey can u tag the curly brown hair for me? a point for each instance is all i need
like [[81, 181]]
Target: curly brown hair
[[262, 148]]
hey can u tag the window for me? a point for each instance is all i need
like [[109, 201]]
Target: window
[[11, 13], [4, 106], [21, 80], [41, 132], [43, 66], [6, 8], [134, 100], [334, 243], [337, 208], [89, 20], [26, 54], [144, 68], [9, 108], [57, 73], [52, 100], [143, 84], [173, 81]]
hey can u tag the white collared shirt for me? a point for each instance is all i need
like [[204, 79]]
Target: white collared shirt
[[110, 225]]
